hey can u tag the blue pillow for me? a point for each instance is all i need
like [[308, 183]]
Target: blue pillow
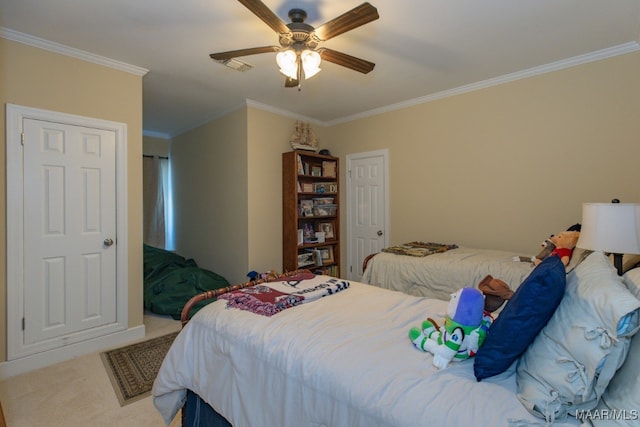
[[522, 318]]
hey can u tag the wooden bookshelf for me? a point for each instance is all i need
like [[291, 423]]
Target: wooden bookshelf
[[310, 204]]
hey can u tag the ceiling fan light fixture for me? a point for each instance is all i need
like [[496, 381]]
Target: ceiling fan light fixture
[[310, 62], [287, 60], [298, 56]]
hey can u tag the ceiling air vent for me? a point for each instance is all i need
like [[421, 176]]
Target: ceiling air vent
[[236, 64]]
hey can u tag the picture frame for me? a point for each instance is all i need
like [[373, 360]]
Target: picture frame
[[326, 254], [316, 170], [308, 233], [329, 169], [306, 207], [328, 227]]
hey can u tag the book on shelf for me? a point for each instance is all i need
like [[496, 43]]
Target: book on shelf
[[318, 257], [329, 270], [300, 167]]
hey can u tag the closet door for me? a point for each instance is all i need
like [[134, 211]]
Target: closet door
[[69, 229], [67, 271]]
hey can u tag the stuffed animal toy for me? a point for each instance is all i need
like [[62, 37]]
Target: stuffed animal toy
[[561, 245], [465, 328]]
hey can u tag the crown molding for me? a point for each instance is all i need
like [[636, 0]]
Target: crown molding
[[246, 103], [30, 40], [154, 134], [281, 112], [531, 72]]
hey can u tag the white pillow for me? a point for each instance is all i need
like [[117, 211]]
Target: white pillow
[[632, 281], [621, 400], [570, 363]]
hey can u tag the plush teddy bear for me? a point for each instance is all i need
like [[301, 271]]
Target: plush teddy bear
[[561, 244], [465, 328]]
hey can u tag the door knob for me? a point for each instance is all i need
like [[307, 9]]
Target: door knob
[[380, 233], [108, 242]]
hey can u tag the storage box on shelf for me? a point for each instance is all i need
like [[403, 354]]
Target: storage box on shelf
[[310, 212]]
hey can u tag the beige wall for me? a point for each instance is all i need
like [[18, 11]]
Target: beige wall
[[153, 146], [39, 79], [265, 187], [209, 168], [506, 166]]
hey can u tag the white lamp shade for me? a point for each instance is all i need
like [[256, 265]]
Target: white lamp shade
[[287, 60], [310, 63], [610, 227]]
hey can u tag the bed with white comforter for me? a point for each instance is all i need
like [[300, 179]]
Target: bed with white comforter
[[441, 274], [342, 360]]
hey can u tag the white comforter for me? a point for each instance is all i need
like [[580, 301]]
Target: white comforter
[[439, 275], [344, 360]]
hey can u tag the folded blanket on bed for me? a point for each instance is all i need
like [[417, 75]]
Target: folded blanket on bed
[[419, 248], [270, 298]]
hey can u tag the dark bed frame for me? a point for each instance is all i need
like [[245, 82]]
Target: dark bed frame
[[196, 412]]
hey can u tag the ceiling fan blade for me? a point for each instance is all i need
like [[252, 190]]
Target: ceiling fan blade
[[354, 18], [345, 60], [221, 56], [268, 17]]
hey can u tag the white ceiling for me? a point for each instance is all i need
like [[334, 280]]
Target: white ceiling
[[422, 49]]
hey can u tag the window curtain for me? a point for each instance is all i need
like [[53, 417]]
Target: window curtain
[[165, 173], [153, 206]]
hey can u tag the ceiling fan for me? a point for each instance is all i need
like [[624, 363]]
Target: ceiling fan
[[298, 55]]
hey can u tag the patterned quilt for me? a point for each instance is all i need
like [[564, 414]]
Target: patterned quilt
[[419, 248]]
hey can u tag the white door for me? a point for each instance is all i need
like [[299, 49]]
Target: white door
[[67, 274], [69, 229], [367, 207]]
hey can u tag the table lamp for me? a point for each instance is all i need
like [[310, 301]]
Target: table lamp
[[611, 227]]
